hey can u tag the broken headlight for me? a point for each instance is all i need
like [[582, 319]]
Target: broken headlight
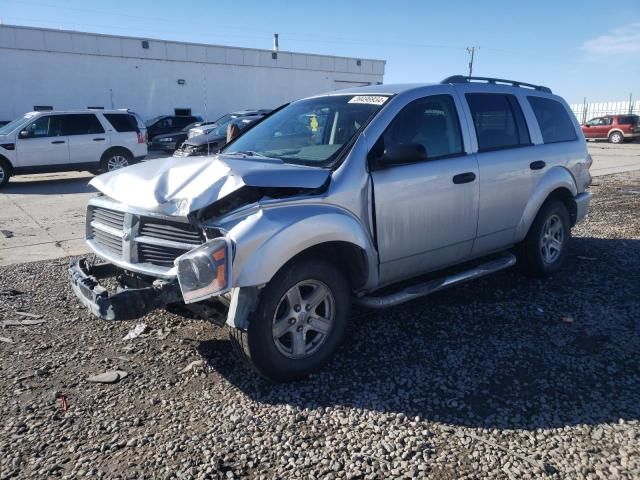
[[205, 271]]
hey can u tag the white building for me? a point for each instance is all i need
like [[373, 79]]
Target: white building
[[44, 68]]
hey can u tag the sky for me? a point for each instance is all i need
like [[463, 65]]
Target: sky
[[577, 48]]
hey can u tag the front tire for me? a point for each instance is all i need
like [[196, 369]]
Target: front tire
[[115, 160], [616, 137], [300, 320], [544, 249], [5, 173]]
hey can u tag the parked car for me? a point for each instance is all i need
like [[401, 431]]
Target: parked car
[[615, 128], [332, 198], [169, 142], [214, 140], [169, 123], [98, 141], [225, 120]]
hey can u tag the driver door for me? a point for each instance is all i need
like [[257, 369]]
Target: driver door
[[42, 144], [426, 211]]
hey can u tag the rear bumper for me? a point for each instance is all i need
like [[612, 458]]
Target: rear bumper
[[126, 304], [632, 135], [582, 205]]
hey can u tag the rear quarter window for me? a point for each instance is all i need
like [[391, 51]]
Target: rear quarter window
[[628, 119], [122, 122], [553, 120]]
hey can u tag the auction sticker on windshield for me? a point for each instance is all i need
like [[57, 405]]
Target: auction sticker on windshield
[[370, 99]]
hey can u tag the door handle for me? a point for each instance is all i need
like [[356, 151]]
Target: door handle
[[537, 165], [464, 177], [98, 139], [57, 141]]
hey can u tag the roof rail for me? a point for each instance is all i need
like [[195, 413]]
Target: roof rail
[[494, 81]]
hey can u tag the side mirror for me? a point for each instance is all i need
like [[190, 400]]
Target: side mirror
[[586, 125], [400, 154], [24, 134]]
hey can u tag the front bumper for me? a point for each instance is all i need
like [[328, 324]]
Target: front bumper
[[127, 303], [582, 205], [166, 146]]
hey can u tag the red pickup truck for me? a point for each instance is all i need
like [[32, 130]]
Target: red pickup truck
[[615, 128]]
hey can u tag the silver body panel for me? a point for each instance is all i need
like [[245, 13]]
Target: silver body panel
[[407, 220]]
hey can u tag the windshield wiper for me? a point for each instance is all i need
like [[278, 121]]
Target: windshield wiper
[[248, 153]]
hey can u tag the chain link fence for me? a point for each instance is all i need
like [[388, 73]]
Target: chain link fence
[[588, 110]]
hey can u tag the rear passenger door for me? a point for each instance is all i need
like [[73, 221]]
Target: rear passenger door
[[509, 166], [87, 139]]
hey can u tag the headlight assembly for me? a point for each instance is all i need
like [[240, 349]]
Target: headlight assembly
[[205, 271]]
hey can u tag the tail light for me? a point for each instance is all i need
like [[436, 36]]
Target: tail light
[[141, 138]]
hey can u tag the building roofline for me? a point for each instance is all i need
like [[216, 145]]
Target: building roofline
[[185, 43]]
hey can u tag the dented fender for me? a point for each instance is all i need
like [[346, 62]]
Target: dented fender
[[269, 237], [553, 179]]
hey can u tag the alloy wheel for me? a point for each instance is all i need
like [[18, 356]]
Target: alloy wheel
[[116, 162], [552, 239], [303, 319]]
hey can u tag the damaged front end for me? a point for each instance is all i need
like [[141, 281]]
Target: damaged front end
[[182, 258]]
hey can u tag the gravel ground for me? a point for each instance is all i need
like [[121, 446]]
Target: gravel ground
[[503, 377]]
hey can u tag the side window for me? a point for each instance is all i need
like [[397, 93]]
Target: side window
[[607, 121], [82, 125], [49, 126], [122, 122], [182, 122], [553, 119], [39, 128], [498, 121], [164, 123], [431, 122]]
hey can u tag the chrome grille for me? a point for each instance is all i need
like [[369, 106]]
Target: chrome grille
[[110, 218], [158, 255], [108, 241], [168, 230], [149, 242]]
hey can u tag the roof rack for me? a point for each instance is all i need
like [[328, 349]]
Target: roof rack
[[494, 81]]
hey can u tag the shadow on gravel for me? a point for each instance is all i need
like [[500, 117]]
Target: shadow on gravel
[[50, 186], [502, 352]]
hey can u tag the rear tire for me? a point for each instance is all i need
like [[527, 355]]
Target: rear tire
[[616, 137], [5, 173], [544, 249], [300, 320], [115, 160]]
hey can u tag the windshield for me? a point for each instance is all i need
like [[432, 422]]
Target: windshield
[[311, 131], [11, 126], [153, 120], [220, 129]]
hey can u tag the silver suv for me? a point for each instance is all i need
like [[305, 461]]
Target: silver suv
[[54, 141], [330, 199]]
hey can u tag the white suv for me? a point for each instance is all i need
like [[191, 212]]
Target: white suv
[[52, 141]]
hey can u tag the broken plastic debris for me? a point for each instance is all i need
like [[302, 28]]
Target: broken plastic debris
[[192, 365], [136, 331], [26, 314], [16, 323], [108, 377], [581, 257], [567, 319], [6, 340]]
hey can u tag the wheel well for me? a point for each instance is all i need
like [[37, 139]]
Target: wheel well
[[565, 197], [6, 163], [345, 256], [111, 150]]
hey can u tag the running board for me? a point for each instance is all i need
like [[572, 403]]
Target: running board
[[505, 261]]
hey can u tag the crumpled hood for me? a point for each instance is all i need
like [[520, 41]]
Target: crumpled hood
[[179, 186]]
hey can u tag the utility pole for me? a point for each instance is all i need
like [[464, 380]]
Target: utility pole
[[471, 51]]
